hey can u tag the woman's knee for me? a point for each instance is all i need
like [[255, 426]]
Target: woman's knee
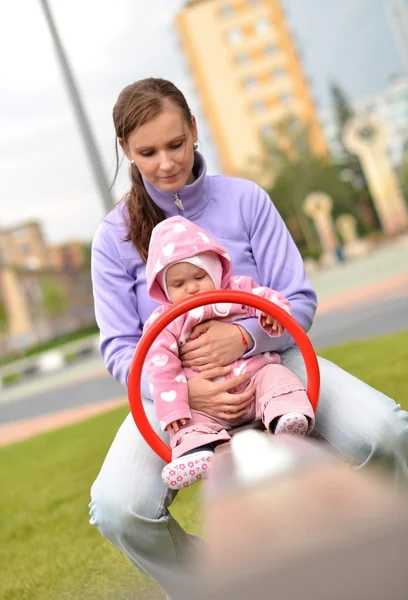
[[115, 513], [391, 431]]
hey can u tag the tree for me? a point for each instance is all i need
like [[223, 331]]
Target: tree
[[54, 300], [351, 167], [297, 171], [3, 317], [342, 109], [403, 173], [86, 254]]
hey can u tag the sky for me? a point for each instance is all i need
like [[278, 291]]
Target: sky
[[44, 169]]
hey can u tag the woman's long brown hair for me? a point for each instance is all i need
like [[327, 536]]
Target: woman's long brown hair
[[137, 104]]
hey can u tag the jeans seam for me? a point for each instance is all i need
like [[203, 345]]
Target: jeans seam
[[162, 503], [322, 439], [169, 526]]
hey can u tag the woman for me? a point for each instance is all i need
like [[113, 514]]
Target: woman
[[158, 135]]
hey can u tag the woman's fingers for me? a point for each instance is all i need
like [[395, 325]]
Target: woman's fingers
[[233, 382], [214, 372], [198, 361], [192, 346], [234, 406]]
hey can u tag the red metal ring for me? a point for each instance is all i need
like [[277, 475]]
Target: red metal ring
[[219, 296]]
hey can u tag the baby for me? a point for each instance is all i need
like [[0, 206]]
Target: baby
[[184, 260]]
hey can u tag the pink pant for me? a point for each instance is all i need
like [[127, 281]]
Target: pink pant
[[277, 392]]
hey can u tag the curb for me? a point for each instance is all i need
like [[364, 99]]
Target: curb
[[22, 430], [390, 288]]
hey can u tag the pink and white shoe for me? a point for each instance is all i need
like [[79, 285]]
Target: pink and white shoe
[[293, 423], [186, 470]]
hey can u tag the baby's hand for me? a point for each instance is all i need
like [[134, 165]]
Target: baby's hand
[[175, 425], [268, 320]]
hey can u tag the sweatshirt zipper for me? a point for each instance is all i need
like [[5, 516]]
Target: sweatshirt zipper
[[177, 201]]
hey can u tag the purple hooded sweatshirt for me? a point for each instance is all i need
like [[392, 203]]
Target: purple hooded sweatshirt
[[241, 217]]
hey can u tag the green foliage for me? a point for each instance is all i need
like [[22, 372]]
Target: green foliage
[[298, 172], [403, 174], [3, 317], [351, 167], [54, 300], [342, 108], [86, 253]]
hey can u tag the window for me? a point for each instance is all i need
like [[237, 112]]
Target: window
[[286, 99], [19, 233], [258, 107], [270, 50], [262, 27], [242, 59], [250, 83], [293, 123], [278, 73], [235, 35], [226, 11], [266, 131]]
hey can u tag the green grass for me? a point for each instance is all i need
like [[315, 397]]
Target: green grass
[[47, 549]]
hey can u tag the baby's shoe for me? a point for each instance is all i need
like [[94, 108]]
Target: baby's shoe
[[293, 423], [186, 470]]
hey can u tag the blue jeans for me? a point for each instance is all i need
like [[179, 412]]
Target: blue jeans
[[130, 502]]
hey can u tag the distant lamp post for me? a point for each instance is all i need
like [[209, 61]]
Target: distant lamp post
[[84, 126]]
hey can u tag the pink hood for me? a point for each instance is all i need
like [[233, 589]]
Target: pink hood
[[174, 240]]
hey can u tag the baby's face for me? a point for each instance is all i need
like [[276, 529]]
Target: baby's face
[[184, 280]]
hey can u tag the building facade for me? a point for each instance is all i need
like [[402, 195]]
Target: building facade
[[42, 304], [248, 75], [24, 246], [45, 291]]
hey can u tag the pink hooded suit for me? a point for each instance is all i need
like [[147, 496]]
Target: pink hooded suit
[[277, 390]]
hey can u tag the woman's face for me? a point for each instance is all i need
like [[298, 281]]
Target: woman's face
[[162, 150]]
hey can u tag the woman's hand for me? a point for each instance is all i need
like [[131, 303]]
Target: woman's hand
[[214, 344], [214, 397]]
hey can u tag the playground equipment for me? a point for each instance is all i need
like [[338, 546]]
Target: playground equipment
[[203, 299]]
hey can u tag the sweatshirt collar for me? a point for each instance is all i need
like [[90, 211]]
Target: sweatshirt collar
[[188, 201]]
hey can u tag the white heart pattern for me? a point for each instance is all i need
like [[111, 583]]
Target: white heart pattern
[[269, 355], [169, 396], [203, 236], [258, 291], [168, 250], [179, 228], [153, 317], [151, 388], [222, 309], [173, 347], [240, 370], [180, 379], [197, 313], [160, 360], [158, 267]]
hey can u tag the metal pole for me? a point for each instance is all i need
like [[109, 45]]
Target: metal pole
[[84, 126]]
